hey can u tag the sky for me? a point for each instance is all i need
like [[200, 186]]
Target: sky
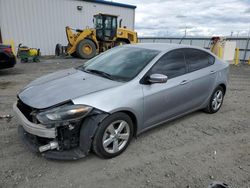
[[165, 18]]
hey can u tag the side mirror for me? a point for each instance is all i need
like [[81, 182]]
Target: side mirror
[[157, 78]]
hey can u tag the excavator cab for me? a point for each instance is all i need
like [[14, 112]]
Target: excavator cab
[[105, 26]]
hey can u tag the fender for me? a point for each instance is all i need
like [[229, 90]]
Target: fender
[[88, 129]]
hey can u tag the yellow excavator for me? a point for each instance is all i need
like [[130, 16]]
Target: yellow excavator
[[105, 35]]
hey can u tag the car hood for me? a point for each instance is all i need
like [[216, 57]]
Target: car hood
[[63, 86]]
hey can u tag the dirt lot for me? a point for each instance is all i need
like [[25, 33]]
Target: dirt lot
[[189, 152]]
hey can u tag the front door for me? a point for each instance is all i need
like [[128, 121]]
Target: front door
[[110, 27], [165, 100]]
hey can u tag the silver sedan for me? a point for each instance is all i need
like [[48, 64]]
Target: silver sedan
[[101, 105]]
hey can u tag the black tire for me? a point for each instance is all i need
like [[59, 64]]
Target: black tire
[[209, 109], [98, 147], [58, 50], [86, 43]]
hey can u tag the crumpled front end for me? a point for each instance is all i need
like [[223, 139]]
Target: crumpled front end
[[65, 140]]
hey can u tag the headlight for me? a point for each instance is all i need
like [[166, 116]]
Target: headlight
[[63, 113]]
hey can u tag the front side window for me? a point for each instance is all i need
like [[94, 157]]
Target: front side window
[[114, 24], [120, 63], [171, 64], [98, 22], [108, 23], [197, 59]]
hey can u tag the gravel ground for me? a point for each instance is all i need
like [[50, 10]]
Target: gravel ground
[[189, 152]]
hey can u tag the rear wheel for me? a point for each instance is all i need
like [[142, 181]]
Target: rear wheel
[[86, 49], [113, 135], [216, 101], [58, 50]]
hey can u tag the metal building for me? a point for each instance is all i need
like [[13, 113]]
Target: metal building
[[41, 23]]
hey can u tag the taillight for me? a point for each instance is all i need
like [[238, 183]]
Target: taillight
[[8, 50]]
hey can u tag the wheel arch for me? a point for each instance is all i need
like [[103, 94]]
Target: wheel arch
[[133, 118], [224, 87], [123, 40]]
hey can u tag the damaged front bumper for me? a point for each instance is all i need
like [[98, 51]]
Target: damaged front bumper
[[63, 143], [33, 128], [31, 142]]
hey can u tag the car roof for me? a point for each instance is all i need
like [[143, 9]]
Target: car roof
[[164, 47]]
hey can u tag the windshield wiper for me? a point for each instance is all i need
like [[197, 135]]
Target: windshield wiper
[[98, 72]]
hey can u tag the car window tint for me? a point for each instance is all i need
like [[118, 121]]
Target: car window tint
[[197, 59], [171, 64]]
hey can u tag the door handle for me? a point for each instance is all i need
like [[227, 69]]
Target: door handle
[[212, 72], [184, 82]]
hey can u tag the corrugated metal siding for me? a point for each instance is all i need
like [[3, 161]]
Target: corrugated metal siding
[[41, 24]]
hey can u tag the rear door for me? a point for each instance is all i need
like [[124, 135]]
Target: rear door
[[165, 100], [201, 76]]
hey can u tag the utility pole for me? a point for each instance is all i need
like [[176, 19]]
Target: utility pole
[[184, 35], [185, 32], [245, 52]]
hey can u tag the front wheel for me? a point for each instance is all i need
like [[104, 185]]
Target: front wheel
[[86, 49], [216, 101], [113, 135]]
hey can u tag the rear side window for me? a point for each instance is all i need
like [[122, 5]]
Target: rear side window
[[197, 59], [171, 64]]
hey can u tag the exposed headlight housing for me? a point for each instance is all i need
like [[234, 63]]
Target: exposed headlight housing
[[63, 113]]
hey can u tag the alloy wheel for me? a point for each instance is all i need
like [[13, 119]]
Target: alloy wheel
[[116, 136], [217, 100]]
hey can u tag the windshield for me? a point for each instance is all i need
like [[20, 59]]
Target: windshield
[[120, 63]]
